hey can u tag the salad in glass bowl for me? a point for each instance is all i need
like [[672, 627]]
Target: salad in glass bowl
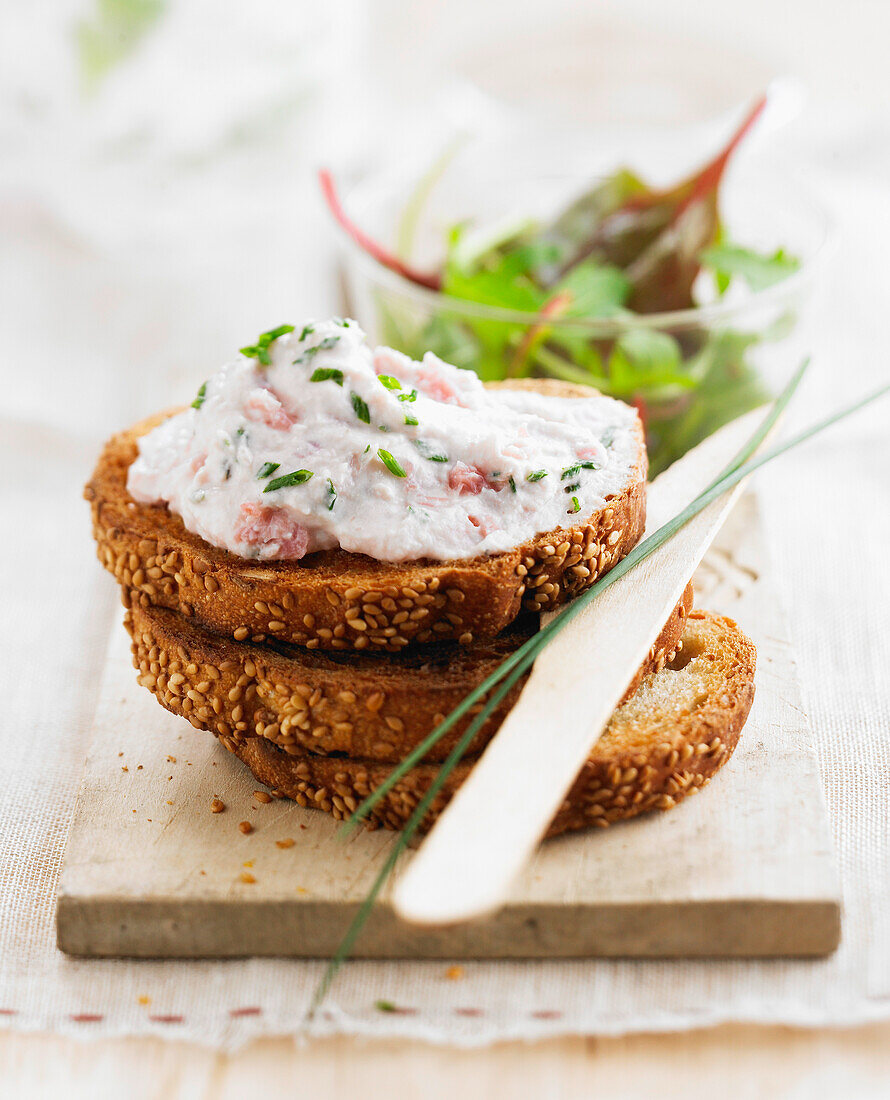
[[652, 295]]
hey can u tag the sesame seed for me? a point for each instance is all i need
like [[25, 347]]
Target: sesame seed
[[245, 827]]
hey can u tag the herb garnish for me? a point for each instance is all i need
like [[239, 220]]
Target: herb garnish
[[307, 331], [411, 421], [385, 1006], [267, 470], [296, 478], [201, 398], [360, 407], [512, 483], [390, 463], [325, 345], [428, 452], [332, 492], [412, 396], [389, 382], [536, 475], [576, 506], [570, 471], [260, 350], [327, 374], [571, 488], [495, 687]]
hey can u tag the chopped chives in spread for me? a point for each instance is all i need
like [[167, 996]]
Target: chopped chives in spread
[[260, 350], [570, 471], [427, 451], [298, 477], [390, 463], [576, 506], [327, 374], [202, 394], [495, 456], [361, 408]]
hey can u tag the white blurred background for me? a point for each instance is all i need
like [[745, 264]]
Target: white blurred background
[[157, 195]]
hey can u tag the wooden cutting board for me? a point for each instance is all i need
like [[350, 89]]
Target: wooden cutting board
[[745, 868]]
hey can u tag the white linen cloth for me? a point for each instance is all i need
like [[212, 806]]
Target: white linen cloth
[[100, 323]]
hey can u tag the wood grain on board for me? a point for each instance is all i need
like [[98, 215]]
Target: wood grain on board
[[745, 868]]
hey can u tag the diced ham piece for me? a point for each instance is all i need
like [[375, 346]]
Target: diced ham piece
[[483, 526], [466, 479], [261, 526], [386, 363], [435, 386], [262, 406]]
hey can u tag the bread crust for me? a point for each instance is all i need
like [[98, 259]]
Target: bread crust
[[376, 707], [340, 601], [663, 743], [624, 776]]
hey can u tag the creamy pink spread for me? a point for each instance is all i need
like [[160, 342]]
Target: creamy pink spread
[[312, 440]]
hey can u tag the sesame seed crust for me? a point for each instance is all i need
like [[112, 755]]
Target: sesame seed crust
[[377, 707], [334, 600], [665, 743]]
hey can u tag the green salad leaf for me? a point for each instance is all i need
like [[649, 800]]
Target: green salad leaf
[[585, 282], [758, 271]]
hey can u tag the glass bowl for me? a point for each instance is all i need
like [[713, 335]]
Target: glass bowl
[[726, 356]]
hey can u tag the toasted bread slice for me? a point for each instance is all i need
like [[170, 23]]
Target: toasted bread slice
[[341, 601], [374, 706], [664, 742]]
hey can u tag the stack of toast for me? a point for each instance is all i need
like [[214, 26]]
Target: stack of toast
[[323, 674]]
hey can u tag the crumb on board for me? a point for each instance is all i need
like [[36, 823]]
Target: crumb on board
[[247, 877], [217, 806], [455, 973], [287, 842], [262, 796], [245, 827], [171, 759], [143, 1000], [247, 863], [124, 768]]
